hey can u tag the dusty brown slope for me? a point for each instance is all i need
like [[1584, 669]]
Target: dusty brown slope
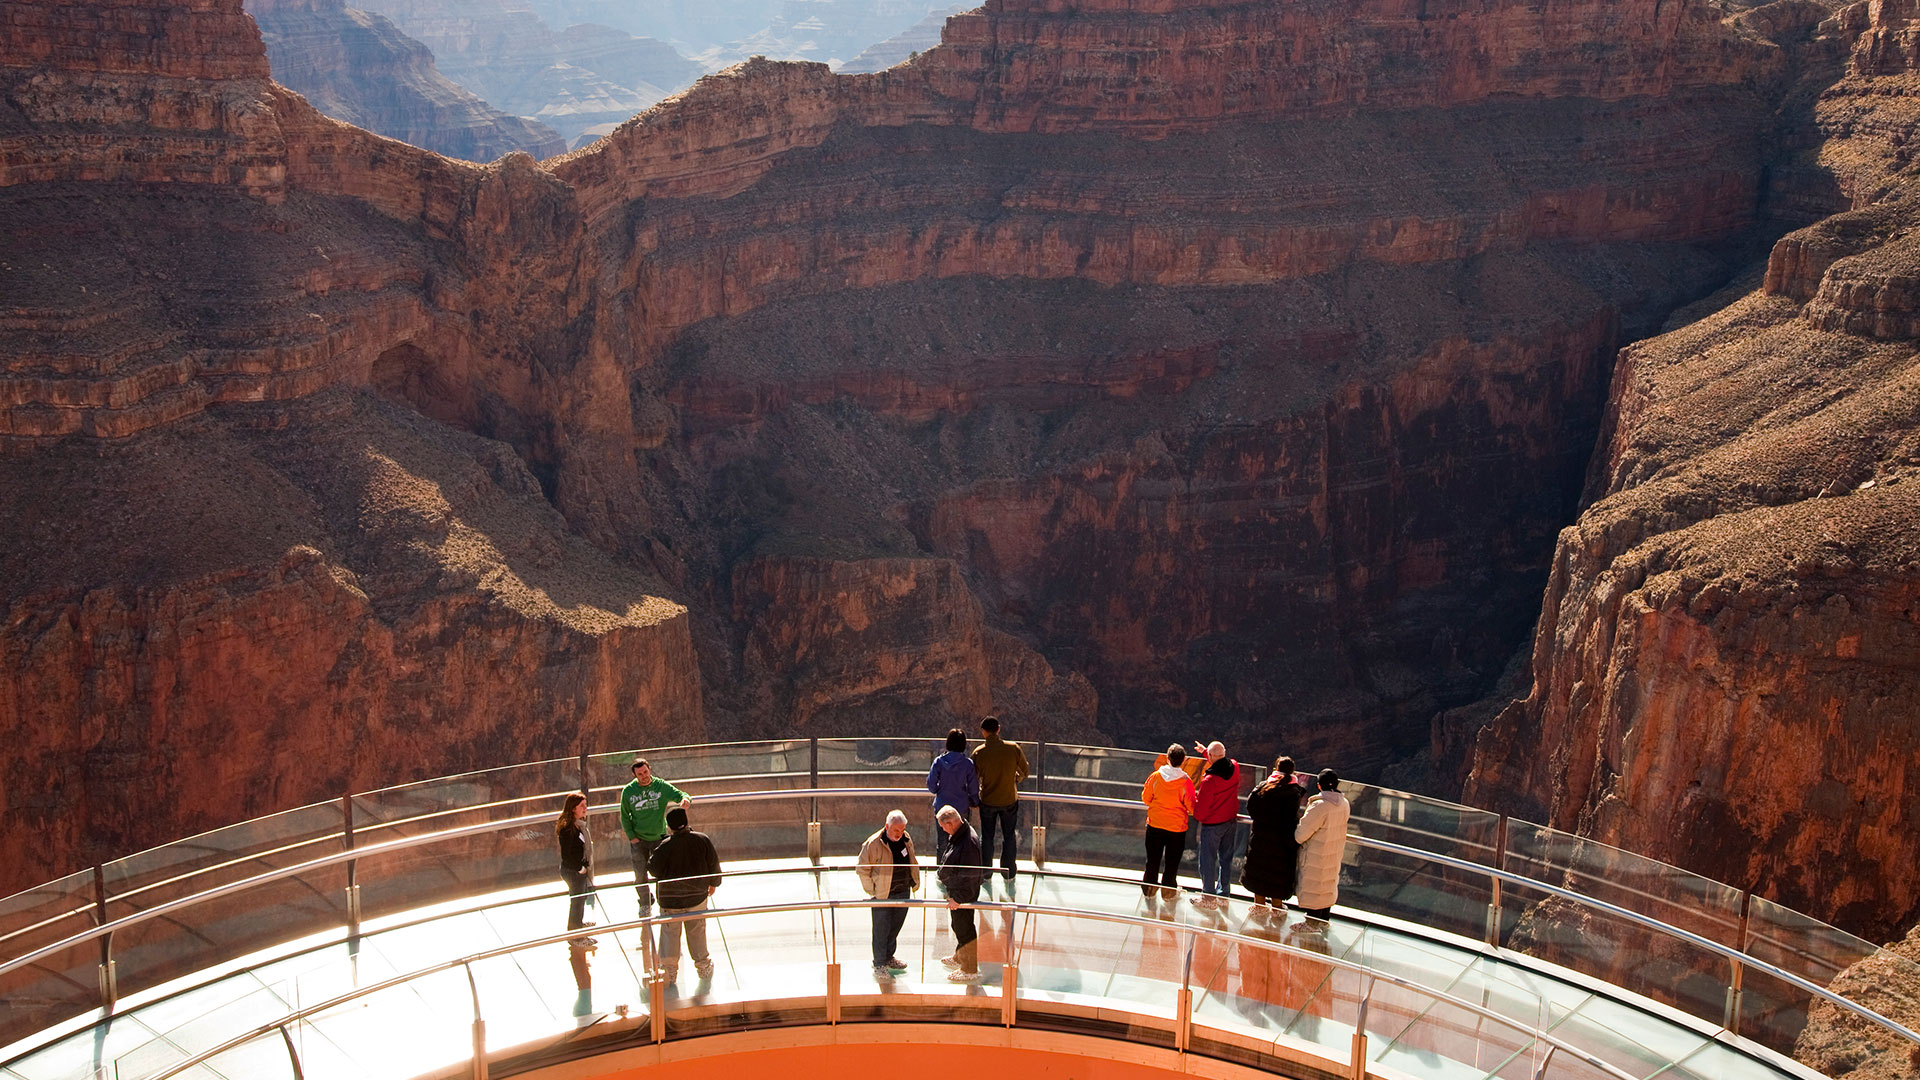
[[1729, 651]]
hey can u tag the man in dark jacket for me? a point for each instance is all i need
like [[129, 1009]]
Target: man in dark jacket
[[962, 869], [686, 871]]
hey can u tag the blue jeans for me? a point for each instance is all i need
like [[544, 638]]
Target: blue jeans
[[1008, 818], [1217, 844]]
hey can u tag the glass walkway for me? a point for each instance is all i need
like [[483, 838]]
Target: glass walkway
[[393, 933]]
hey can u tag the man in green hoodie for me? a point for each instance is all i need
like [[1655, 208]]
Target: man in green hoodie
[[644, 803], [1002, 766]]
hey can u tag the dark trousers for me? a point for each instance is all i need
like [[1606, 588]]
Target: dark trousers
[[1007, 820], [640, 851], [1167, 845], [966, 937], [1324, 914], [887, 922], [579, 889]]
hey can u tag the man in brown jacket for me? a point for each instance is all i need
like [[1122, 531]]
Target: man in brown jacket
[[1002, 766]]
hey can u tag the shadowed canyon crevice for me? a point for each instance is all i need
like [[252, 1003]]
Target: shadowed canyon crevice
[[1129, 368]]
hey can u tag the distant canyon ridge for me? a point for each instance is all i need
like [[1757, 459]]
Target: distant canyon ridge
[[1141, 371], [478, 79]]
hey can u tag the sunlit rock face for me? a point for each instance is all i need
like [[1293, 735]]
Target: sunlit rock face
[[1729, 639], [1147, 367], [356, 66]]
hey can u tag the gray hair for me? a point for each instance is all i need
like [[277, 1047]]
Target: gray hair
[[895, 817], [947, 813], [1216, 749]]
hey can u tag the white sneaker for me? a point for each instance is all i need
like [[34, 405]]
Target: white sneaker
[[881, 973], [951, 963], [963, 976]]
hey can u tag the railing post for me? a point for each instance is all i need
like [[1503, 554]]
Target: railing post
[[1039, 847], [109, 981], [833, 993], [353, 867], [479, 1029], [814, 850], [1731, 1021], [1040, 783], [1493, 902], [1183, 1006], [293, 1055], [657, 1005], [1357, 1064], [586, 785], [1009, 994]]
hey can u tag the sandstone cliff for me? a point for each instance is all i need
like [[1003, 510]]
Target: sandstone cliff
[[355, 66], [263, 616], [1725, 658]]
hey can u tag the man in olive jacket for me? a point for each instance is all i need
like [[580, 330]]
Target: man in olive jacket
[[686, 871], [1002, 766]]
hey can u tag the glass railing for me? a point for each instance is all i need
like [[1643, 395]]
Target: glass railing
[[329, 869], [1073, 954]]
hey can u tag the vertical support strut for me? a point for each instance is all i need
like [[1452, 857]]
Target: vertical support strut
[[1735, 1006], [109, 982], [479, 1029], [353, 869], [1493, 902]]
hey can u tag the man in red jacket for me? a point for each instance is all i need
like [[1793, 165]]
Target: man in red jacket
[[1217, 806]]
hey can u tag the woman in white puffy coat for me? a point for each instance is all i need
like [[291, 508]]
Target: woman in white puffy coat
[[1322, 835]]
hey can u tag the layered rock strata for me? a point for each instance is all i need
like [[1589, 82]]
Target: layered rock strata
[[1141, 364], [1729, 636], [357, 67], [257, 617]]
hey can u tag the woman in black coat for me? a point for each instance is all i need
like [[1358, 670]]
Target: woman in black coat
[[575, 868], [1272, 855]]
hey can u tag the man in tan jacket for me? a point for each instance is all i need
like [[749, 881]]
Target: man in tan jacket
[[1002, 767], [888, 871]]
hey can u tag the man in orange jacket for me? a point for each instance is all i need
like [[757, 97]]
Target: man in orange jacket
[[1169, 797]]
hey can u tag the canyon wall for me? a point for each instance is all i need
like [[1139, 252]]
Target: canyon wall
[[1726, 655], [249, 559], [1147, 366]]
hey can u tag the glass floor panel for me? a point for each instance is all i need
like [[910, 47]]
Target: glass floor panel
[[1130, 967]]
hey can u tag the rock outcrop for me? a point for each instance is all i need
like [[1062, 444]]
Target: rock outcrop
[[1728, 643], [357, 67], [258, 617], [1839, 1044]]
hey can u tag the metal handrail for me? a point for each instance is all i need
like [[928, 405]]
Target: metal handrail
[[645, 924], [481, 828], [1691, 938]]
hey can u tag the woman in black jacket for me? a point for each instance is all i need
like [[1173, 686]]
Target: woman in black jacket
[[1272, 855], [575, 855]]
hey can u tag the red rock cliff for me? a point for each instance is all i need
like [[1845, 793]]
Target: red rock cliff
[[1234, 361], [1724, 659]]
